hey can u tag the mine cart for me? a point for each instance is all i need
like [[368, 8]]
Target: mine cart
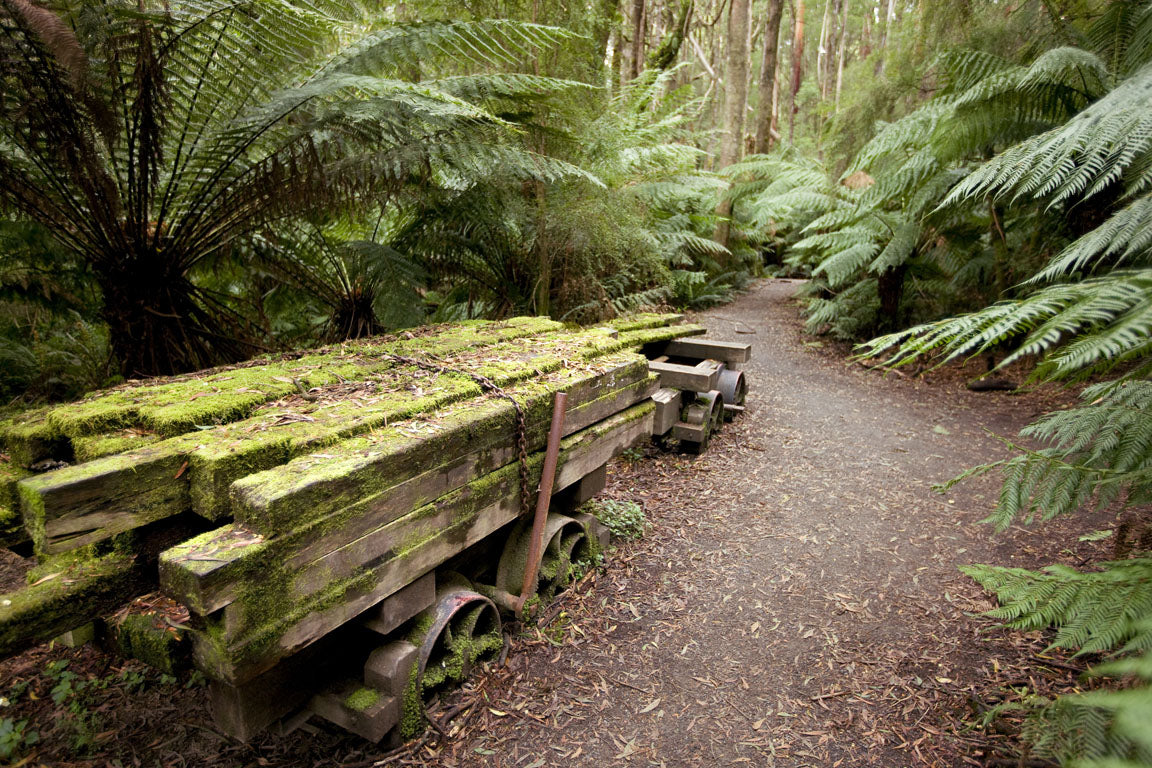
[[342, 530]]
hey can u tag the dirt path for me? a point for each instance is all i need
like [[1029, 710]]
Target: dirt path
[[797, 601]]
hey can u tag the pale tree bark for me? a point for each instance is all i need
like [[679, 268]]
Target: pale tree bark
[[889, 15], [822, 53], [605, 28], [797, 66], [841, 52], [735, 102], [767, 88]]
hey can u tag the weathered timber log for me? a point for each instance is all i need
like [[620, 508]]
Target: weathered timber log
[[707, 349], [354, 707], [400, 606], [697, 378], [644, 321], [242, 711], [12, 529], [81, 504], [180, 404], [668, 405], [321, 503], [461, 442], [277, 614], [92, 447], [66, 599], [92, 501]]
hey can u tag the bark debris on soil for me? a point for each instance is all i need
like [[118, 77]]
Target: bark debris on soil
[[796, 601]]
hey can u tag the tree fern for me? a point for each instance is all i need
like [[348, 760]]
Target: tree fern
[[1105, 144], [1075, 328], [187, 128], [1093, 612]]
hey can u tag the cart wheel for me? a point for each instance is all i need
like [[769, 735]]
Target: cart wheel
[[461, 629], [566, 543], [734, 387], [707, 411]]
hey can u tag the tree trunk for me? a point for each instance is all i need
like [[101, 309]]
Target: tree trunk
[[797, 66], [768, 66], [889, 15], [735, 102], [605, 25], [840, 53], [890, 288], [665, 55], [638, 34], [822, 53], [157, 326]]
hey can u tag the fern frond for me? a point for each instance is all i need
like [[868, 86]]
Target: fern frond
[[1089, 153], [1093, 611], [1109, 319], [1125, 239]]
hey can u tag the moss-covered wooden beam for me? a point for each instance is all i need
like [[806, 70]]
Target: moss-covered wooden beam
[[88, 502], [62, 600], [643, 321], [12, 529], [177, 405], [279, 614], [320, 503]]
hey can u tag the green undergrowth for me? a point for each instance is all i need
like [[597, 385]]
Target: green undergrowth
[[625, 519]]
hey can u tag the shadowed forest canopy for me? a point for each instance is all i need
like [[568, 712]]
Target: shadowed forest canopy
[[187, 184]]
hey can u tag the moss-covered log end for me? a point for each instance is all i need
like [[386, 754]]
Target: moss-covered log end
[[66, 599]]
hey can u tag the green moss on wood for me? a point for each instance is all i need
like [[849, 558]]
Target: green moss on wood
[[362, 698], [92, 447], [28, 438], [147, 638], [86, 590], [642, 321]]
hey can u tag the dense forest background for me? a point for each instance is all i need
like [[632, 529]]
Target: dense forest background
[[180, 195], [194, 183]]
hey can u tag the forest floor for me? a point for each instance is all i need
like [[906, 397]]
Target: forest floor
[[795, 602]]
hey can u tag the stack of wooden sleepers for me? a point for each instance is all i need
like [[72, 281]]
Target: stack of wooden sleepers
[[284, 501]]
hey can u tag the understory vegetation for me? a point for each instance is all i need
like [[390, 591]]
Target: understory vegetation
[[195, 183]]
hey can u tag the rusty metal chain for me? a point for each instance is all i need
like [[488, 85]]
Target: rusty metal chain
[[488, 385]]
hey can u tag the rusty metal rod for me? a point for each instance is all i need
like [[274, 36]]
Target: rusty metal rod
[[543, 500]]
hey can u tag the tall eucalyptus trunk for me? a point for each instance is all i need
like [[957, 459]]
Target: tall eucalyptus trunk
[[735, 102], [767, 85], [797, 66]]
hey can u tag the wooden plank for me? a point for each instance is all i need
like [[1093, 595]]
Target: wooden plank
[[694, 378], [363, 711], [397, 608], [177, 405], [644, 321], [66, 600], [343, 492], [93, 501], [246, 638], [708, 349], [461, 442], [242, 711], [695, 433], [12, 529], [84, 503], [668, 403]]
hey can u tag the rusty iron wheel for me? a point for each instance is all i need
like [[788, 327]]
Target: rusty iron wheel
[[462, 629], [566, 544]]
